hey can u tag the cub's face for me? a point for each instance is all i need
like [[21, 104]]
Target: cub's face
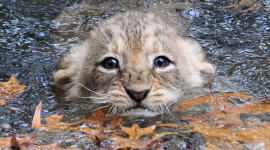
[[132, 64]]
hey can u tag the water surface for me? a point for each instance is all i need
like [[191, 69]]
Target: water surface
[[33, 37]]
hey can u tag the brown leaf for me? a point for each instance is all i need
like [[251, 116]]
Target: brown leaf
[[94, 122], [26, 141], [11, 89], [265, 100], [47, 147], [97, 141], [3, 102], [54, 123], [14, 143], [223, 124], [5, 142], [17, 141], [135, 132], [36, 122], [120, 142]]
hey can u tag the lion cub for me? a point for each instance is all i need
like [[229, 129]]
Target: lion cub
[[134, 64]]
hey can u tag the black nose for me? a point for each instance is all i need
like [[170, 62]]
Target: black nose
[[137, 96]]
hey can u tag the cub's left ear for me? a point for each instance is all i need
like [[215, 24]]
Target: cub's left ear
[[196, 56], [70, 70]]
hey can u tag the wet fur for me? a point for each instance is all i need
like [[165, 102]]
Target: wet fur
[[135, 40]]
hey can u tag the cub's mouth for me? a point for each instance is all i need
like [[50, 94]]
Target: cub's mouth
[[138, 97]]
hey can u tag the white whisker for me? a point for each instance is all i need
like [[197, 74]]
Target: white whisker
[[106, 35], [92, 97], [114, 111], [88, 88], [100, 102], [158, 109], [102, 107], [168, 110], [161, 108], [111, 109]]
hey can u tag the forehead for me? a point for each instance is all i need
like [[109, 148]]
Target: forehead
[[143, 38], [135, 37], [134, 43]]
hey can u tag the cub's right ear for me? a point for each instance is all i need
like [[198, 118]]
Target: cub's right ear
[[70, 70], [193, 54]]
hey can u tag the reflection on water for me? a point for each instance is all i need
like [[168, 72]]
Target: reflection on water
[[236, 37]]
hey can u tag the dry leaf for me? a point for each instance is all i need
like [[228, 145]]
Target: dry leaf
[[135, 132], [221, 127], [3, 102], [54, 123], [14, 142], [25, 141], [265, 100], [36, 122], [223, 124], [11, 89], [17, 141], [120, 142]]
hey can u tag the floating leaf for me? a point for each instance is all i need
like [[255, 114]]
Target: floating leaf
[[223, 124], [25, 141], [222, 127], [17, 141], [3, 102], [10, 90], [135, 132]]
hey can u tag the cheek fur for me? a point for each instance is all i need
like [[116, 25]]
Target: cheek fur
[[171, 80], [97, 81]]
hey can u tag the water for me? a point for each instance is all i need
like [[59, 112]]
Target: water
[[32, 39]]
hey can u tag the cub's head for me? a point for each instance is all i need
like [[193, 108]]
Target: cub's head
[[133, 63]]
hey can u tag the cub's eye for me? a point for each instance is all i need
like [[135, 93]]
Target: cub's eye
[[161, 62], [110, 63]]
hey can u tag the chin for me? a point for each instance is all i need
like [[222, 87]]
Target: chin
[[139, 112]]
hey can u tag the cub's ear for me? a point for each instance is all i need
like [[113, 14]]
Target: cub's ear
[[192, 53], [70, 70], [196, 56]]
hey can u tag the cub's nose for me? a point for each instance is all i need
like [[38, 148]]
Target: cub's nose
[[137, 96]]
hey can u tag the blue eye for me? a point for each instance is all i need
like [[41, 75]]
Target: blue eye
[[110, 63], [161, 62]]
